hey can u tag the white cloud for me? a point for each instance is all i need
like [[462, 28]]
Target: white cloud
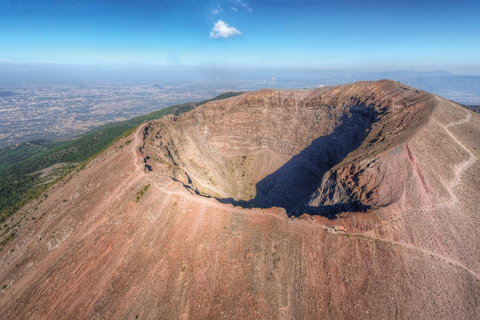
[[222, 30], [241, 4], [234, 9], [217, 11]]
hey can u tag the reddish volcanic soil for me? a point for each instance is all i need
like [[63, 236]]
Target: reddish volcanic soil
[[138, 232]]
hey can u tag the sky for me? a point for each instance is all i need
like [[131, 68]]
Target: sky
[[360, 35]]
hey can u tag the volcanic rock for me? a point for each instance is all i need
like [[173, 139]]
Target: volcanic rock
[[233, 211]]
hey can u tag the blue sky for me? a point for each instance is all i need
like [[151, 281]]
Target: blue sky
[[332, 34]]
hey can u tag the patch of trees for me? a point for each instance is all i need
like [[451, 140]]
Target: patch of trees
[[20, 166]]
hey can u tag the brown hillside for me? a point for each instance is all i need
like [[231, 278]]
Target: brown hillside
[[227, 212]]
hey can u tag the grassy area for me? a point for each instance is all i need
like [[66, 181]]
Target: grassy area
[[23, 151], [20, 167]]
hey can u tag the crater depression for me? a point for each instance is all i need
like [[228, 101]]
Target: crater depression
[[307, 151]]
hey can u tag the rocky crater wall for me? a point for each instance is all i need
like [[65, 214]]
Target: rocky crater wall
[[304, 150]]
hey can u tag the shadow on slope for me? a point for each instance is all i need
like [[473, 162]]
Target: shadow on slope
[[291, 186]]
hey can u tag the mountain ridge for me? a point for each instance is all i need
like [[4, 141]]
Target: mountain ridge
[[130, 242]]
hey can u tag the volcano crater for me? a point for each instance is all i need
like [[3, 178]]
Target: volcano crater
[[285, 148]]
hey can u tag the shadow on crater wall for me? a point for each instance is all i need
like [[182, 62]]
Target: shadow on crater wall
[[291, 186]]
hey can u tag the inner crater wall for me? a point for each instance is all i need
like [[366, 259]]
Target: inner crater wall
[[274, 147]]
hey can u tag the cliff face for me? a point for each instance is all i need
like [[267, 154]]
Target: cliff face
[[135, 233], [274, 148]]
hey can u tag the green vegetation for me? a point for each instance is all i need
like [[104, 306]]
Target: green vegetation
[[20, 167], [141, 192], [22, 181], [6, 239], [23, 151]]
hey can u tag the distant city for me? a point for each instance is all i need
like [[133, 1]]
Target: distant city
[[56, 112], [62, 111]]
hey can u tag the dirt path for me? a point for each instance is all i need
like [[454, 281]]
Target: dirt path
[[134, 149], [458, 174], [417, 249], [442, 257], [131, 181], [210, 202], [102, 205], [470, 161]]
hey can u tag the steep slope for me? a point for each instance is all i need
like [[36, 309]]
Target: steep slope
[[122, 239], [272, 148], [20, 167]]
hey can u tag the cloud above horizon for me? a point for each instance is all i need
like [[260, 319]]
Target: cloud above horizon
[[222, 30], [218, 10], [241, 4]]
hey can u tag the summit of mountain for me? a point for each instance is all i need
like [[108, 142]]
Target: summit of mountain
[[238, 209]]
